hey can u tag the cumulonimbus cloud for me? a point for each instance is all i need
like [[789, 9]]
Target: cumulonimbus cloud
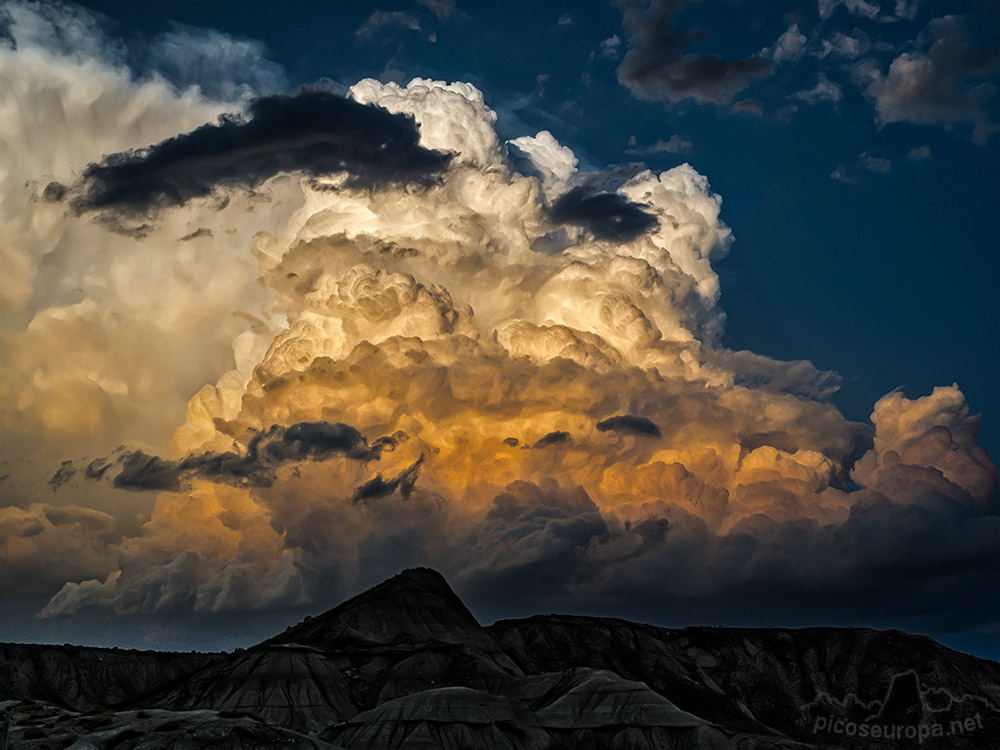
[[562, 421]]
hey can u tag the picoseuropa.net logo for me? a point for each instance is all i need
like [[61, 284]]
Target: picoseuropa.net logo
[[906, 715], [877, 730]]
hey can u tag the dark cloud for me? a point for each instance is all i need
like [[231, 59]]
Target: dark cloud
[[314, 132], [655, 67], [97, 468], [944, 85], [315, 440], [305, 441], [609, 216], [553, 438], [630, 423], [54, 192], [63, 474], [379, 487], [199, 232], [144, 472]]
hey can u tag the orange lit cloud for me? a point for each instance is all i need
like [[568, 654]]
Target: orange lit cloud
[[550, 398]]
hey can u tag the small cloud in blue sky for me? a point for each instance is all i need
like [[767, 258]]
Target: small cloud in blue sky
[[672, 145], [825, 90], [790, 46], [866, 162], [942, 82], [611, 46], [844, 45]]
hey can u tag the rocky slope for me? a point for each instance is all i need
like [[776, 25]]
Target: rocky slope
[[406, 665], [81, 678]]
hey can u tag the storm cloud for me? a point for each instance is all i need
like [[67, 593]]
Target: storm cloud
[[251, 369], [657, 454]]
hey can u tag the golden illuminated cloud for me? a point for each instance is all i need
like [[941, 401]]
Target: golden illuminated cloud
[[496, 370]]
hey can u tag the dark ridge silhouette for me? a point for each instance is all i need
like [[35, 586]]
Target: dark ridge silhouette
[[406, 665]]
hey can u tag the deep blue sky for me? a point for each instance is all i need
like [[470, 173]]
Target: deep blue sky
[[887, 277]]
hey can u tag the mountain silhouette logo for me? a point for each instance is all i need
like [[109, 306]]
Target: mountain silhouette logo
[[904, 713]]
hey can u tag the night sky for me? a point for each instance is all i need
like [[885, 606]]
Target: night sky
[[319, 251]]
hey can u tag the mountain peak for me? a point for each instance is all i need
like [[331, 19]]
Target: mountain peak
[[426, 578], [413, 607]]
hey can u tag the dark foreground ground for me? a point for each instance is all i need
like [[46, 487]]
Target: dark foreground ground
[[405, 665]]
